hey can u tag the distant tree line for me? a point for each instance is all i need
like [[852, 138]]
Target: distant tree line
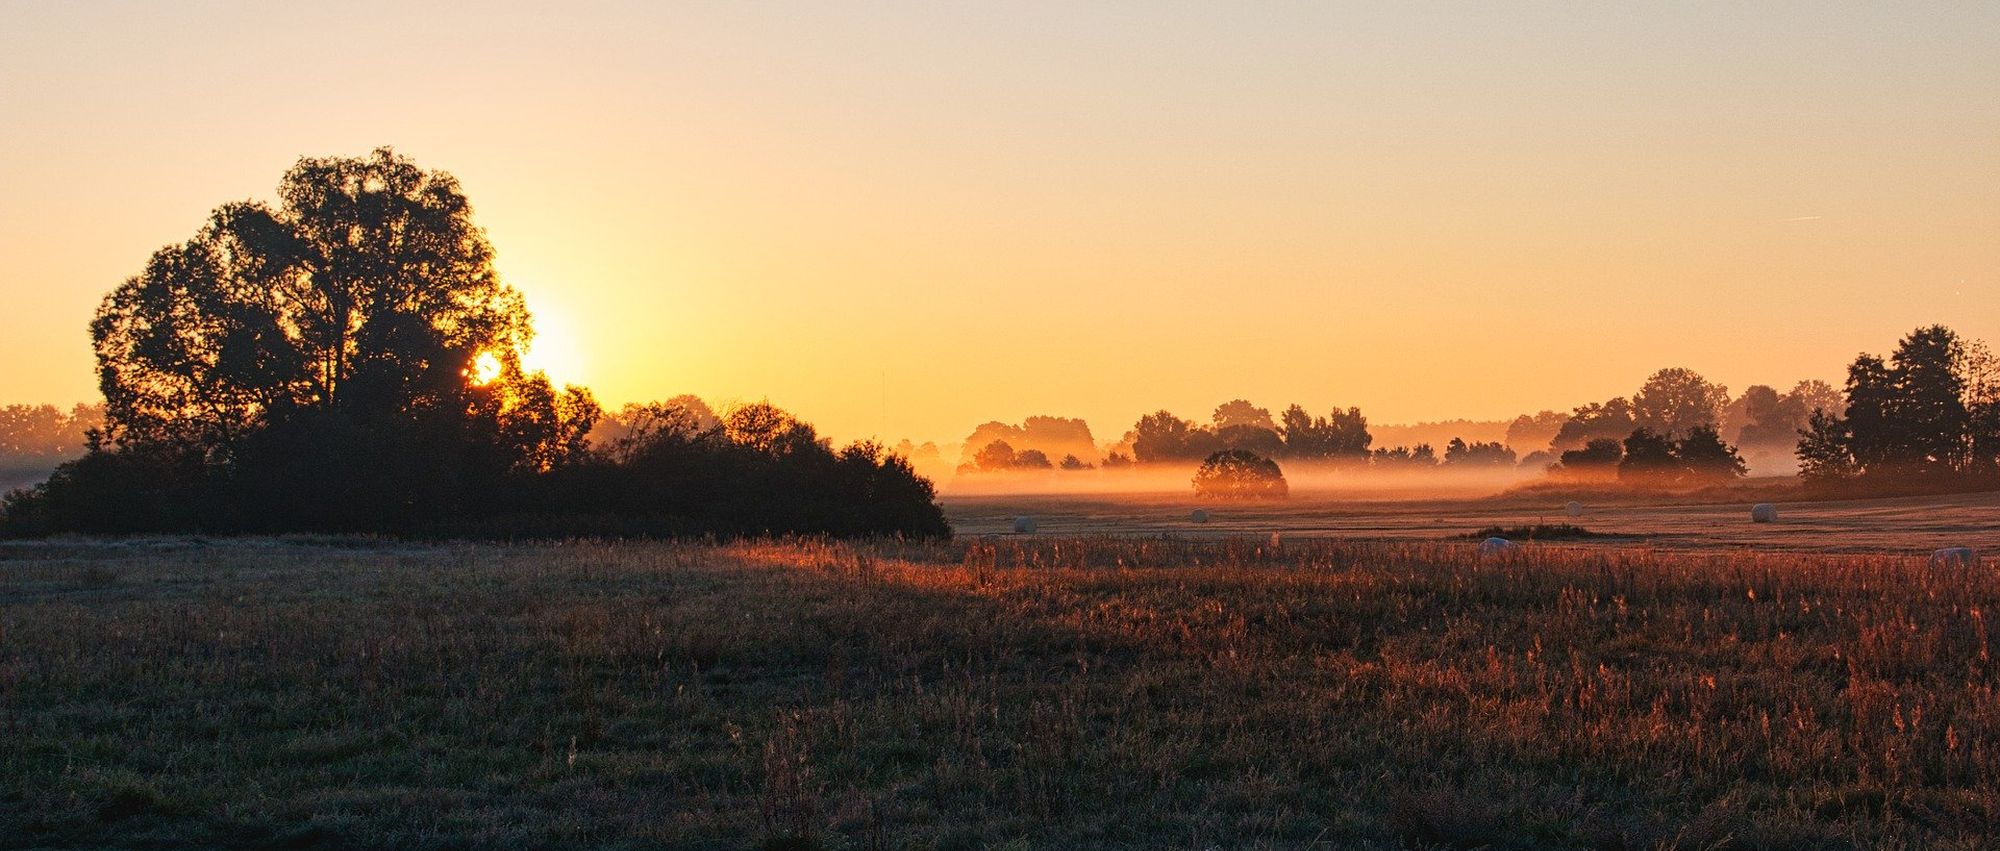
[[998, 447], [348, 361], [1238, 424], [36, 438]]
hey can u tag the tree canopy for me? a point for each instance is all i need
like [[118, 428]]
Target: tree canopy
[[1238, 474], [1926, 417]]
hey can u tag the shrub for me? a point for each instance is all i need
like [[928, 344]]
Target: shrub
[[1240, 474]]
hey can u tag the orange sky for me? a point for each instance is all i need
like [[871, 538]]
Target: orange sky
[[903, 220]]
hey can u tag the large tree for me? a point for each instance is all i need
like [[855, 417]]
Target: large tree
[[365, 296], [1923, 417], [1674, 400]]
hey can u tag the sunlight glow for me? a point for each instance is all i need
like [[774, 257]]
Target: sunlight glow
[[557, 349], [485, 368]]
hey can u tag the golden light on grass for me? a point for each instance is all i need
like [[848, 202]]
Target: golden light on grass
[[816, 694]]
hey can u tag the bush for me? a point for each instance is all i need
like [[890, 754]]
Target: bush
[[1240, 474], [759, 472]]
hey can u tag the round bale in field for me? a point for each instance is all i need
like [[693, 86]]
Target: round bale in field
[[1024, 525], [1199, 515], [1955, 557], [1763, 512], [1573, 509], [1496, 545]]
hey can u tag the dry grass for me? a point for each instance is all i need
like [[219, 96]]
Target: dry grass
[[1098, 692]]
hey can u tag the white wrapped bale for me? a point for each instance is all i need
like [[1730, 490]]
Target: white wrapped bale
[[1199, 515], [1497, 546], [1573, 509], [1763, 512], [1955, 557], [1024, 525]]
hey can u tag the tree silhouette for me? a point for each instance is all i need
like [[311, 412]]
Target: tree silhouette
[[1161, 436], [1240, 412], [1674, 401], [1925, 419], [1237, 474], [1825, 461], [1533, 432], [1419, 457], [1705, 459], [1251, 438], [348, 360], [995, 456], [1649, 459], [1598, 459], [1458, 453], [1343, 435], [368, 290], [1611, 419]]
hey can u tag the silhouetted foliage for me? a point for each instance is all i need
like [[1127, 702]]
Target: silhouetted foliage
[[349, 361], [1458, 453], [1824, 459], [1419, 457], [684, 413], [1236, 474], [1071, 463], [1649, 459], [1612, 419], [1700, 458], [1251, 438], [1052, 436], [1673, 401], [1598, 459], [1341, 436], [1705, 459], [995, 456], [36, 438], [762, 471], [1539, 460], [1535, 432], [1928, 418], [1033, 459], [1161, 436], [1239, 412]]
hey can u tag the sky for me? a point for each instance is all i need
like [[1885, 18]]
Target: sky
[[905, 219]]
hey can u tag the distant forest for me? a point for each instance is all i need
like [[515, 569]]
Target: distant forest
[[1927, 418]]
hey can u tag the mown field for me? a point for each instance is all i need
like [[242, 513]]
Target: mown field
[[1027, 692], [1686, 522]]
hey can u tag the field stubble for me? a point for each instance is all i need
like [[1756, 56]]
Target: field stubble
[[1025, 692]]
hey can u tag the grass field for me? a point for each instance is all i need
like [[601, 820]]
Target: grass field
[[1906, 525], [1006, 692]]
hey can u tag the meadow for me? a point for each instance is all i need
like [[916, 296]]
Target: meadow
[[997, 692]]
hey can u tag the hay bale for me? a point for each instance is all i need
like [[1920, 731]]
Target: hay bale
[[1024, 525], [1573, 509], [1955, 557], [1496, 545], [1199, 515], [1763, 512]]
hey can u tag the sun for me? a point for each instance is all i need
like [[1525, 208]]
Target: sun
[[485, 368]]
